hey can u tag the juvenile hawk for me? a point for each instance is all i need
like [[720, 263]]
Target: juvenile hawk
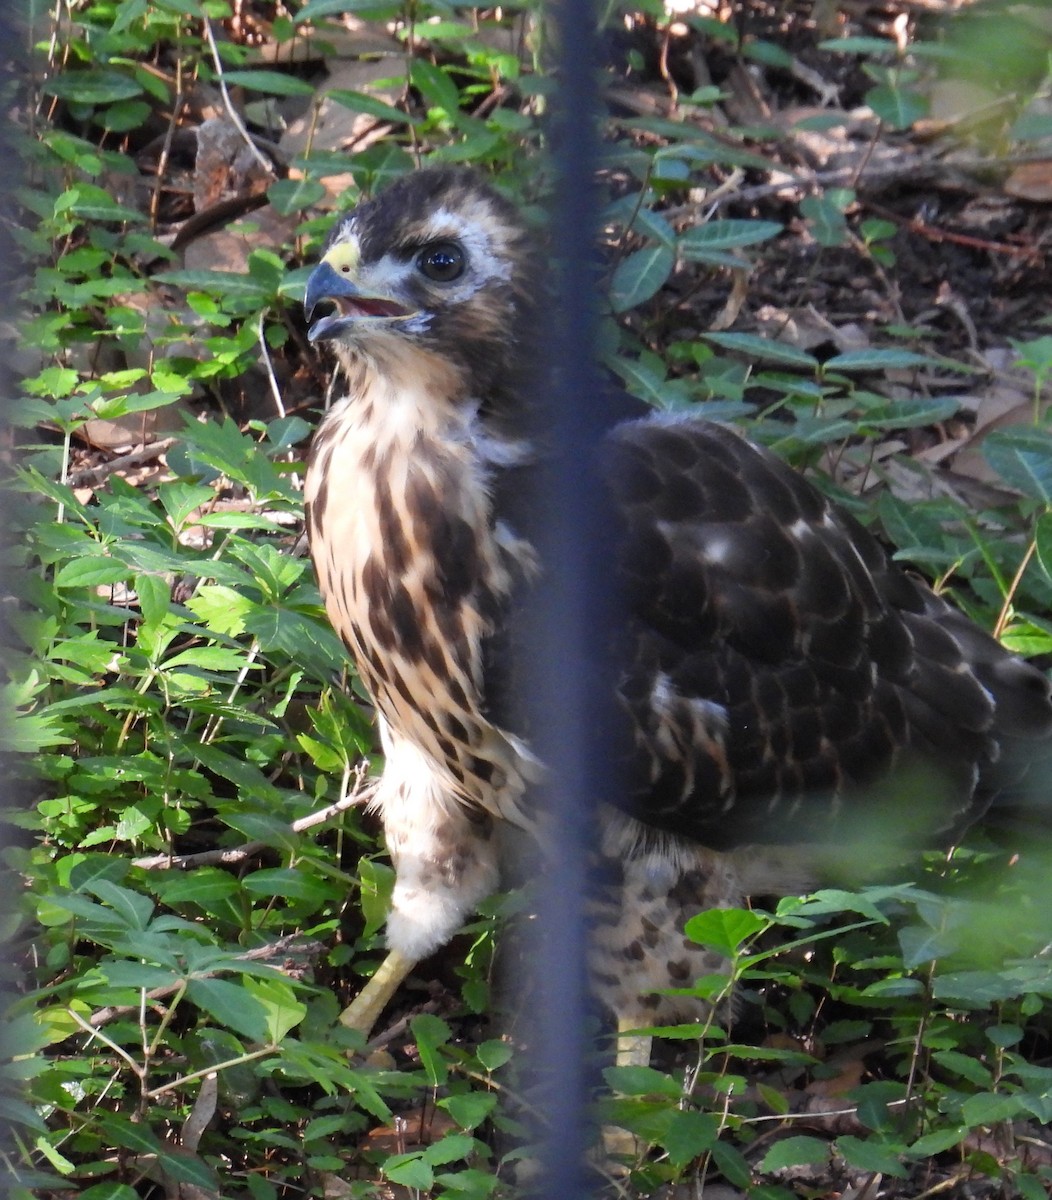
[[776, 667]]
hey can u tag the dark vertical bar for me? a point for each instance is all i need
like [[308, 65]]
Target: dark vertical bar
[[570, 630]]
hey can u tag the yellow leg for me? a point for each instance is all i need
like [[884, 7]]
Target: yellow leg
[[633, 1050], [364, 1010]]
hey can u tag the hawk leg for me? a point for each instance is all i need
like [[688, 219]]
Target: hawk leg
[[364, 1010]]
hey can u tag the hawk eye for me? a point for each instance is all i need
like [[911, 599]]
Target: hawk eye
[[442, 261]]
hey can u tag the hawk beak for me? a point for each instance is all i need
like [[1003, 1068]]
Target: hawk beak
[[352, 305]]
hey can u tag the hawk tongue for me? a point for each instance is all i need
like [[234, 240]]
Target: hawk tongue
[[368, 306]]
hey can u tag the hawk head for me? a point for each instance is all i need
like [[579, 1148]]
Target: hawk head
[[439, 267]]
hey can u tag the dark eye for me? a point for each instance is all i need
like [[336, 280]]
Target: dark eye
[[443, 262]]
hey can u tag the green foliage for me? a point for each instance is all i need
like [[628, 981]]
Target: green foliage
[[182, 711]]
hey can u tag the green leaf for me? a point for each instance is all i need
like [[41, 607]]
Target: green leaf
[[871, 1156], [757, 347], [689, 1134], [640, 276], [436, 86], [493, 1054], [469, 1109], [938, 1141], [1023, 459], [451, 1148], [223, 283], [990, 1108], [89, 571], [430, 1033], [283, 1011], [288, 883], [314, 10], [965, 1066], [410, 1170], [132, 907], [641, 1081], [896, 106], [724, 235], [795, 1152], [231, 1005], [273, 83], [94, 85], [291, 196], [371, 106], [826, 218], [203, 886], [878, 360], [125, 1134], [978, 988], [724, 929], [111, 1190]]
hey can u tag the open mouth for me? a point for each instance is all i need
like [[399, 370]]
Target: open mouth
[[351, 309]]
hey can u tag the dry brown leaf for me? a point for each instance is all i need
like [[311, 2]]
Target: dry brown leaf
[[1031, 181]]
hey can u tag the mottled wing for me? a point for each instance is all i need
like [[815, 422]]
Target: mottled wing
[[782, 668]]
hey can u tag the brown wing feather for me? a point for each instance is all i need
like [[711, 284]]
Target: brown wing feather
[[782, 665]]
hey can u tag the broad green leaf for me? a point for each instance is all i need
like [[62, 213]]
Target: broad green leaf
[[290, 196], [689, 1135], [86, 869], [436, 86], [827, 220], [200, 886], [410, 1170], [232, 1005], [137, 975], [964, 1065], [640, 276], [125, 1134], [1023, 459], [898, 107], [990, 1108], [923, 945], [871, 1155], [493, 1054], [469, 1109], [795, 1152], [288, 883], [109, 1191], [451, 1148], [283, 1011], [641, 1081], [938, 1141], [134, 908], [94, 85], [724, 929], [91, 570], [979, 988]]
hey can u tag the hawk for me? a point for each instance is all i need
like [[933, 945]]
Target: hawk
[[775, 670]]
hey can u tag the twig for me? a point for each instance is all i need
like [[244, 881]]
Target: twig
[[91, 476], [258, 953], [232, 112], [359, 794]]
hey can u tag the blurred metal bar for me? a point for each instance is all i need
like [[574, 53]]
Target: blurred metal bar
[[569, 629]]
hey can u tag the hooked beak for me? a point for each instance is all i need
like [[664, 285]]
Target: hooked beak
[[325, 283]]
